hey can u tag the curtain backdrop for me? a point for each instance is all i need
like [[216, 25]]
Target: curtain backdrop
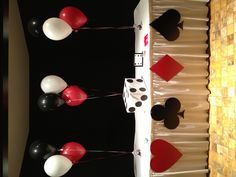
[[189, 85]]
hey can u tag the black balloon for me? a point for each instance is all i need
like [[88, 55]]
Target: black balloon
[[50, 101], [158, 112], [35, 27], [39, 150], [168, 24]]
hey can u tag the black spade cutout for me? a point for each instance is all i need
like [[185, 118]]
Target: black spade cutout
[[168, 24], [169, 113]]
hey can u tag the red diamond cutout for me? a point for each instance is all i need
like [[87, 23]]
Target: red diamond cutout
[[166, 68]]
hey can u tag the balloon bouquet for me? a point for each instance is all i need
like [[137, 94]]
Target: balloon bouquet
[[59, 161], [58, 28], [70, 19], [57, 92]]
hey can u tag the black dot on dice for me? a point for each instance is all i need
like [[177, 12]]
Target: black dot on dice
[[132, 89], [139, 80], [138, 104], [131, 109], [142, 89], [130, 80], [144, 97]]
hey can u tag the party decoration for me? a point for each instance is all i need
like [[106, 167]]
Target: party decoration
[[35, 27], [74, 96], [73, 16], [134, 94], [56, 29], [73, 151], [57, 165], [145, 40], [169, 113], [158, 112], [138, 59], [164, 155], [39, 150], [168, 24], [166, 68], [50, 101], [53, 84]]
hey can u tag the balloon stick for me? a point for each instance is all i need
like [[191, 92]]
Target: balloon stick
[[95, 97], [109, 27]]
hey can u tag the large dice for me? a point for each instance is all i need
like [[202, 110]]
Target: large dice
[[134, 94]]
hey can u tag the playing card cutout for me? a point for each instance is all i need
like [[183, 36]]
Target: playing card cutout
[[164, 154], [138, 59], [134, 94], [169, 113], [166, 68], [168, 24]]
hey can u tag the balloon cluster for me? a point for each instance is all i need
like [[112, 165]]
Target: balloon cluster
[[57, 92], [58, 28], [58, 162]]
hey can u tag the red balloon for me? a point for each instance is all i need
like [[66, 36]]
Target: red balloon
[[73, 16], [74, 96], [73, 151]]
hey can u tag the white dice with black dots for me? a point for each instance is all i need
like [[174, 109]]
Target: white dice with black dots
[[134, 94]]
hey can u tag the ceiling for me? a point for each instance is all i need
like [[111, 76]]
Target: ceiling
[[95, 60]]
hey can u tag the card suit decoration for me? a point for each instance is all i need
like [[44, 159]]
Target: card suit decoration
[[169, 113], [164, 155], [168, 24], [166, 68]]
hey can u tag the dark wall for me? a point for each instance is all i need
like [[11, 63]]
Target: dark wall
[[97, 61]]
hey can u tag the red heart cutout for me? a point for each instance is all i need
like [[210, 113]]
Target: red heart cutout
[[74, 96], [165, 155]]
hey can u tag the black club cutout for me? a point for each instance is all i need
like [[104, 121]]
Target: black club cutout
[[168, 24], [169, 113]]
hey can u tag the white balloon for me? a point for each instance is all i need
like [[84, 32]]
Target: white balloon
[[57, 165], [56, 29], [53, 84]]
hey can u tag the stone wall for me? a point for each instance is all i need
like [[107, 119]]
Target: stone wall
[[222, 154]]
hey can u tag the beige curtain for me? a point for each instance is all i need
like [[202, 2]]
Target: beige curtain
[[191, 137]]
